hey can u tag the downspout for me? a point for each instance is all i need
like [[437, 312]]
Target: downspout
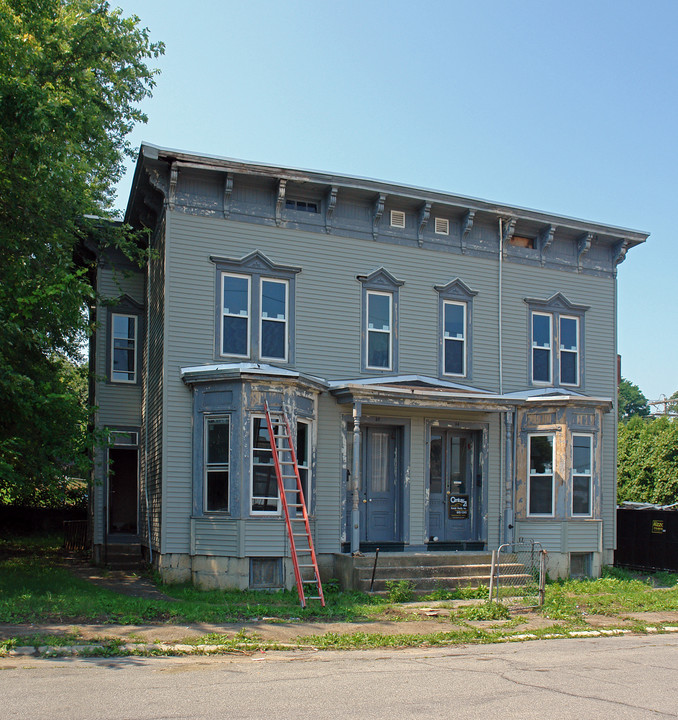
[[355, 509], [148, 358], [502, 416]]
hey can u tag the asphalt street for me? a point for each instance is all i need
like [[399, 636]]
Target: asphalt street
[[610, 677]]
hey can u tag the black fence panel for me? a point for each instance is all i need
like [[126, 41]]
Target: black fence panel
[[647, 539]]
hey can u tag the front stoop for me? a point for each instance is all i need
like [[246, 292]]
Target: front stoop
[[426, 571], [124, 553]]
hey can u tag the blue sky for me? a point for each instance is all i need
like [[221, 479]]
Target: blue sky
[[568, 107]]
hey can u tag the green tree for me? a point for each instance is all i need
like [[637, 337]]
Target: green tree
[[72, 73], [647, 461], [631, 401]]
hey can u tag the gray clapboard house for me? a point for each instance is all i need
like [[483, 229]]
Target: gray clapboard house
[[449, 366]]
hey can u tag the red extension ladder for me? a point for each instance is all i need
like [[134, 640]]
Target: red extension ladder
[[292, 496]]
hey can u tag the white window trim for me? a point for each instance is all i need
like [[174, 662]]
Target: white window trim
[[136, 354], [308, 466], [224, 314], [369, 330], [260, 513], [215, 466], [463, 305], [581, 475], [548, 347], [530, 475], [561, 350], [286, 283]]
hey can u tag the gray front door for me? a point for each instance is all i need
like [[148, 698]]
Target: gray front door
[[380, 521], [454, 487]]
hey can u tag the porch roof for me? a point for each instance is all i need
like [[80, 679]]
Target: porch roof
[[238, 371]]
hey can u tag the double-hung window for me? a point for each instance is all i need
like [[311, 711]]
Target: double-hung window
[[304, 460], [556, 336], [379, 330], [454, 338], [255, 309], [540, 475], [581, 475], [264, 489], [124, 348], [455, 305], [216, 466], [380, 308]]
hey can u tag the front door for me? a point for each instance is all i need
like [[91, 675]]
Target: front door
[[122, 490], [454, 487], [380, 521]]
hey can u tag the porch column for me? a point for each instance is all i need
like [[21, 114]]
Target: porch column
[[355, 510], [509, 519]]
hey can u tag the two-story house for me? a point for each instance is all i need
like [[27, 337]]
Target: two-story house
[[448, 364]]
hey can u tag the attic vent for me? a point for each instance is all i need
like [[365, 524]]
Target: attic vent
[[522, 242], [442, 226], [397, 218]]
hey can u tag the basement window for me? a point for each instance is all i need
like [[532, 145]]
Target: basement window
[[265, 573]]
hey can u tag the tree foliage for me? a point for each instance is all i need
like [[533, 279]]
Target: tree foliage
[[631, 401], [72, 74], [647, 461]]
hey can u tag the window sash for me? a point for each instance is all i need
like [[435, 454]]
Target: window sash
[[269, 326], [454, 347], [582, 475], [376, 335], [232, 319], [304, 459], [124, 350], [262, 471], [216, 472], [569, 354], [541, 351], [540, 476]]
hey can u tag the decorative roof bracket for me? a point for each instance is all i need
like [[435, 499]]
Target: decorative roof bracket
[[545, 241], [174, 177], [619, 251], [280, 200], [378, 212], [331, 204], [228, 189], [583, 246], [466, 226], [424, 215]]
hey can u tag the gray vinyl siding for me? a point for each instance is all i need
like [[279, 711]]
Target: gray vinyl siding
[[559, 536], [216, 536], [329, 480], [265, 538], [609, 481]]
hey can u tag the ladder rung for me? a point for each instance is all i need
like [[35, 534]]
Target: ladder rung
[[306, 565], [313, 597]]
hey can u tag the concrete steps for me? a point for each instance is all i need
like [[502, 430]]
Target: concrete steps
[[125, 555]]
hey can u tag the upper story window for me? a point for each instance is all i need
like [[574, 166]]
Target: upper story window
[[455, 307], [255, 320], [556, 342], [540, 474], [302, 205], [380, 321], [124, 331], [582, 475], [216, 465]]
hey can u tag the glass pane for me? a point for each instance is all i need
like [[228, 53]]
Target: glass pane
[[264, 482], [454, 321], [541, 330], [217, 490], [273, 299], [260, 438], [273, 339], [123, 327], [581, 455], [454, 357], [217, 441], [379, 312], [541, 495], [235, 335], [123, 360], [541, 365], [541, 454], [262, 457], [378, 479], [302, 444], [436, 465], [236, 295], [568, 333], [581, 495], [378, 349], [457, 460], [568, 367]]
